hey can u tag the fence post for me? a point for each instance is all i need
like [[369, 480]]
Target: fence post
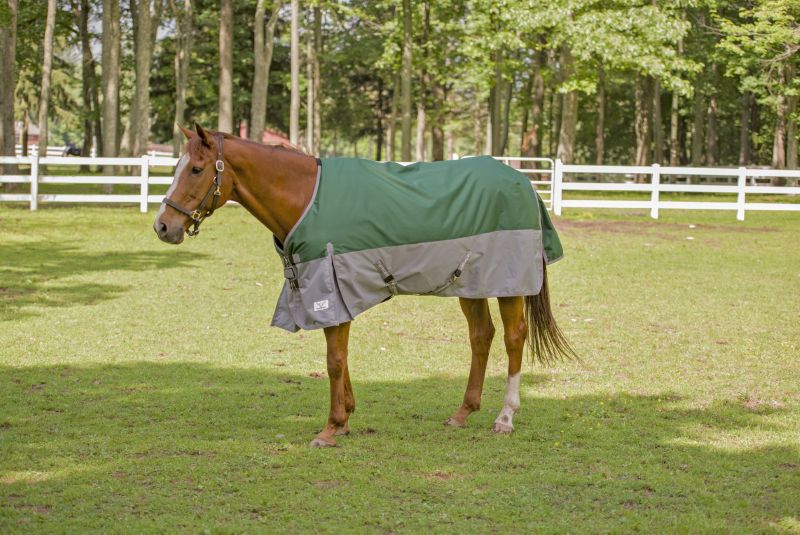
[[555, 196], [742, 182], [656, 183], [145, 179], [35, 181]]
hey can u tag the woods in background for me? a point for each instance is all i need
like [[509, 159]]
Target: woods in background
[[706, 82]]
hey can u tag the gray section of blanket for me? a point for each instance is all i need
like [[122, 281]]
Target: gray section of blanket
[[337, 288]]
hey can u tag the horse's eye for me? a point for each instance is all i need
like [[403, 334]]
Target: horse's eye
[[197, 170]]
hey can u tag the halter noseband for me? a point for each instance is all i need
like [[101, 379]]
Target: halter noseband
[[198, 216]]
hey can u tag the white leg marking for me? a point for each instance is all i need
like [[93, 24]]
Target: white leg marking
[[505, 420]]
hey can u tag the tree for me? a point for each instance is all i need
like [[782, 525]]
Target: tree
[[183, 47], [762, 46], [146, 20], [294, 109], [47, 67], [110, 66], [8, 78], [263, 44], [225, 120], [405, 85]]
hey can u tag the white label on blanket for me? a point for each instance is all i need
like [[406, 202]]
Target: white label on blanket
[[320, 305]]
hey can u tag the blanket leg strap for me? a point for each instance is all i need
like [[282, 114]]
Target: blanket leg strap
[[290, 272], [453, 276]]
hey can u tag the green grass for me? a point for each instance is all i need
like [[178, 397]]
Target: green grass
[[142, 389]]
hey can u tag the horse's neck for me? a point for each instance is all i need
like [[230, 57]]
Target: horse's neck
[[273, 184]]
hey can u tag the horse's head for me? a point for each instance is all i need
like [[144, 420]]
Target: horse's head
[[201, 185]]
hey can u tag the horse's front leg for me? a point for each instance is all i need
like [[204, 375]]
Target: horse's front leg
[[342, 400]]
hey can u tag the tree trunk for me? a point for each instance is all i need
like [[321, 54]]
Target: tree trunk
[[317, 82], [496, 95], [674, 123], [81, 11], [569, 114], [310, 94], [406, 83], [779, 134], [437, 126], [744, 128], [225, 117], [8, 79], [642, 121], [47, 67], [791, 125], [505, 125], [145, 26], [183, 47], [532, 138], [697, 126], [477, 130], [379, 123], [294, 107], [424, 85], [711, 132], [658, 128], [262, 53], [391, 128], [111, 70], [420, 139], [600, 130]]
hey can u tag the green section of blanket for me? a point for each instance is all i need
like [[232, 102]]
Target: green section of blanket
[[361, 204]]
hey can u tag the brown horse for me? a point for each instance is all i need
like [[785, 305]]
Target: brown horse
[[276, 184]]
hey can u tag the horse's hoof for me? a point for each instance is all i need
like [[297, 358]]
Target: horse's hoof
[[452, 422], [343, 431], [322, 443], [500, 427]]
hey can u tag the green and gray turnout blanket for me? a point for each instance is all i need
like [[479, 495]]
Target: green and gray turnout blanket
[[468, 228]]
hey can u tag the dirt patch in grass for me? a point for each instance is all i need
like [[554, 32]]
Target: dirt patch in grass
[[439, 475], [651, 227]]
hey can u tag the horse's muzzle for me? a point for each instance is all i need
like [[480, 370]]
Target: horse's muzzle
[[169, 235]]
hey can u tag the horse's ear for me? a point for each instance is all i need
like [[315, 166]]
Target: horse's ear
[[186, 132], [203, 135]]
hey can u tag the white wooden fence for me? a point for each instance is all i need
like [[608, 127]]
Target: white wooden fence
[[655, 187], [551, 178]]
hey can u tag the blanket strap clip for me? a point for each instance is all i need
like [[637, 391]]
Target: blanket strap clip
[[388, 278], [290, 272]]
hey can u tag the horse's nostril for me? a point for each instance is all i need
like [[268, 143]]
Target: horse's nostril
[[162, 228]]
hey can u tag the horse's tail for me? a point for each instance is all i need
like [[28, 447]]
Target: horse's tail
[[545, 340]]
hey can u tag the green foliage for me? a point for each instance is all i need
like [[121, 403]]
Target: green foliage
[[456, 52]]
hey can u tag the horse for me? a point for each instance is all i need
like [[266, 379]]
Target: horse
[[277, 186]]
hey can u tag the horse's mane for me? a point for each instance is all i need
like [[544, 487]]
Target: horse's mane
[[282, 145]]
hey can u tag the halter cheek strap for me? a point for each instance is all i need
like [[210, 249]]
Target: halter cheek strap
[[201, 213]]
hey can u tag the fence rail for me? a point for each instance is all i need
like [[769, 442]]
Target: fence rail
[[548, 177], [655, 187]]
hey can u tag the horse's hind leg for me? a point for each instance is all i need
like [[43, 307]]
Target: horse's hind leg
[[349, 401], [337, 338], [515, 330], [481, 332]]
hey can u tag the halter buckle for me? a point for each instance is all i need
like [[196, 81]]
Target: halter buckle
[[195, 215], [220, 166]]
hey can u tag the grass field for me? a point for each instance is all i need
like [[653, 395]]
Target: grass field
[[142, 389]]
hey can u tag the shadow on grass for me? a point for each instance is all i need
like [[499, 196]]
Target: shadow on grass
[[29, 269], [186, 446]]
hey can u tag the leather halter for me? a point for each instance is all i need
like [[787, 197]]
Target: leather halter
[[201, 213]]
